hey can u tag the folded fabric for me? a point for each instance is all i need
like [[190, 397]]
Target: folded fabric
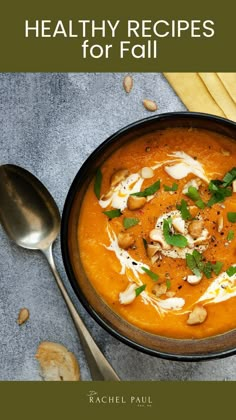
[[212, 93], [220, 94], [229, 82]]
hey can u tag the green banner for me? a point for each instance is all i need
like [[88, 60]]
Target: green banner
[[115, 400], [117, 36], [107, 36]]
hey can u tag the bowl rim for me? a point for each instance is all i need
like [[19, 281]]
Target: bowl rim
[[65, 248]]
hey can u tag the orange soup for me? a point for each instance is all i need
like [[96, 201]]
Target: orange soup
[[157, 233]]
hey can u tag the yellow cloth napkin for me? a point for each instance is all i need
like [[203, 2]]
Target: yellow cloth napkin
[[213, 93], [229, 82]]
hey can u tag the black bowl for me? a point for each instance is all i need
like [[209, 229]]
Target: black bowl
[[176, 349]]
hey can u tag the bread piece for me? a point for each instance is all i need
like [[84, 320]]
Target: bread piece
[[57, 363]]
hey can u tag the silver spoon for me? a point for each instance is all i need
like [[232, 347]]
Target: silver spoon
[[31, 218]]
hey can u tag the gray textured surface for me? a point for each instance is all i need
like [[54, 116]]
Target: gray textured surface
[[49, 124]]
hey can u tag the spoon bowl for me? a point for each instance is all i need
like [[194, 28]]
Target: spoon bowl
[[37, 223], [31, 218]]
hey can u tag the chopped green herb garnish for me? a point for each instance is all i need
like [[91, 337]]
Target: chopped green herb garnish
[[214, 185], [145, 244], [174, 239], [216, 198], [200, 204], [173, 188], [229, 177], [194, 262], [198, 258], [149, 190], [207, 269], [140, 289], [185, 214], [128, 222], [193, 193], [231, 271], [197, 272], [197, 266], [219, 192], [220, 189], [168, 284], [190, 260], [217, 267], [113, 213], [195, 196], [230, 235], [98, 183], [150, 273], [231, 216]]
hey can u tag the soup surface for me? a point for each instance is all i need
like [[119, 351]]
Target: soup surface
[[157, 233]]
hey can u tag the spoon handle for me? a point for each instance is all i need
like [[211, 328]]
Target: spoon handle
[[100, 368]]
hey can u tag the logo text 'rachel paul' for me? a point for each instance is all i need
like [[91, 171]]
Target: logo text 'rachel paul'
[[138, 400]]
